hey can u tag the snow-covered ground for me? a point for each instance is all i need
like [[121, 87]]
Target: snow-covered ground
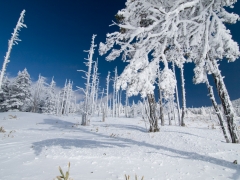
[[34, 145]]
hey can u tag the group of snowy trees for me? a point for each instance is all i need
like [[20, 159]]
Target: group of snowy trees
[[20, 94], [16, 94], [99, 100], [154, 32]]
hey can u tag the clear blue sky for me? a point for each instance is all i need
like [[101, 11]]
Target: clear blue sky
[[59, 31]]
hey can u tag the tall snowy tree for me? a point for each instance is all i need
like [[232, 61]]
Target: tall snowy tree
[[86, 110], [196, 29], [14, 40], [216, 44], [39, 94]]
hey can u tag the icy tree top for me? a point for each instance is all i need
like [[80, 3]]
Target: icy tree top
[[190, 30]]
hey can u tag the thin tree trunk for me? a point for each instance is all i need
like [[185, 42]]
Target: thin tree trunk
[[107, 91], [161, 107], [126, 105], [210, 113], [103, 113], [120, 102], [113, 101], [218, 112]]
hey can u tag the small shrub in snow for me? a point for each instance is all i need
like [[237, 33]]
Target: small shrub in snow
[[2, 130], [12, 117], [136, 178], [66, 176]]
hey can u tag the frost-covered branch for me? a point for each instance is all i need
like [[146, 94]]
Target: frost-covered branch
[[89, 62], [14, 40]]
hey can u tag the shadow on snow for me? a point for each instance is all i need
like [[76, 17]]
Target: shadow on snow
[[120, 142]]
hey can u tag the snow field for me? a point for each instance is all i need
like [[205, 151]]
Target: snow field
[[39, 143]]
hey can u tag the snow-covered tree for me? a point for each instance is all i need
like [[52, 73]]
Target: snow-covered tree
[[4, 94], [49, 106], [68, 99], [217, 110], [176, 56], [39, 94], [195, 29], [14, 40], [65, 99], [19, 93], [215, 44]]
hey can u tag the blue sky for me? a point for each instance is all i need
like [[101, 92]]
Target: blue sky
[[58, 31]]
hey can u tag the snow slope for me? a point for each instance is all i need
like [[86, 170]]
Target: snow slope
[[34, 145]]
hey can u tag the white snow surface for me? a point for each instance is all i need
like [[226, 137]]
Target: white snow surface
[[34, 145]]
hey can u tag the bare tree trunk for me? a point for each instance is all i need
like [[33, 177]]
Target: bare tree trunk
[[226, 103], [183, 97], [160, 100], [218, 112], [173, 110], [110, 101], [107, 92], [153, 120], [169, 118], [210, 112]]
